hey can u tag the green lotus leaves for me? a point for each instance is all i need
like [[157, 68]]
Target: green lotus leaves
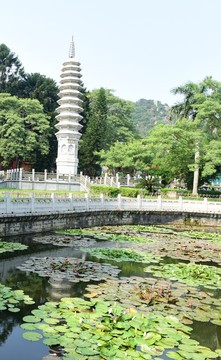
[[10, 246], [135, 317], [114, 331], [71, 269], [65, 240], [33, 336], [123, 255], [10, 298], [31, 319], [191, 273]]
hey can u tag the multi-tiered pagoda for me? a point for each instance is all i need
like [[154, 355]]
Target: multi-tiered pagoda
[[68, 119]]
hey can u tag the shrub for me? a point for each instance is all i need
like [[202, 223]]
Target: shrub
[[109, 191]]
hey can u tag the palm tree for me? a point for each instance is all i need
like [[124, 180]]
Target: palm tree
[[194, 94]]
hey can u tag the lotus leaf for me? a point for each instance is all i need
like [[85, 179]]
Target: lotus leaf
[[123, 255], [114, 331], [9, 297], [70, 269], [174, 355], [33, 336], [191, 273], [10, 246]]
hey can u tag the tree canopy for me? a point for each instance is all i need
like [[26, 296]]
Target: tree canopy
[[202, 105], [11, 70], [24, 130], [94, 137]]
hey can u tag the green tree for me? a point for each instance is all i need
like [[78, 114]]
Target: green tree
[[24, 130], [11, 70], [94, 138], [120, 126], [45, 90], [193, 106], [127, 158], [86, 113], [173, 149]]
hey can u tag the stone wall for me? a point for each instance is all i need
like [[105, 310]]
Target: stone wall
[[26, 224], [41, 185]]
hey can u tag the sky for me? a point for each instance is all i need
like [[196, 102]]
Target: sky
[[138, 48]]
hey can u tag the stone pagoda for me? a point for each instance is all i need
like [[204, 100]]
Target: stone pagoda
[[68, 118]]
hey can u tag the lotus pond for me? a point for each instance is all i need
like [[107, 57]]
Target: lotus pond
[[109, 293]]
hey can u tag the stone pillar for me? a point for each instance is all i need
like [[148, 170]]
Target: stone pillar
[[119, 202], [181, 203], [139, 202], [205, 204], [102, 200], [128, 179], [159, 202], [87, 202], [20, 174], [33, 175], [105, 179], [53, 201], [71, 201], [32, 200], [7, 203], [45, 175]]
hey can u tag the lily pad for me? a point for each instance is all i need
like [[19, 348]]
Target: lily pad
[[33, 336]]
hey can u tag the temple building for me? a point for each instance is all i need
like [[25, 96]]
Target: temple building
[[69, 116]]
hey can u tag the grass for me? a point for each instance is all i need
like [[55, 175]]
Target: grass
[[15, 192]]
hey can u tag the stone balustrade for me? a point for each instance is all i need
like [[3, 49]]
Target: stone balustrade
[[53, 204]]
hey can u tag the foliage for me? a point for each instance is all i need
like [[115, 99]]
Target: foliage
[[113, 191], [148, 114], [120, 127], [94, 329], [122, 255], [100, 135], [173, 150], [150, 183], [71, 269], [180, 191], [24, 130], [201, 104], [86, 113], [10, 246], [78, 267], [127, 157], [192, 274], [94, 138], [10, 299], [159, 296], [11, 71], [45, 90]]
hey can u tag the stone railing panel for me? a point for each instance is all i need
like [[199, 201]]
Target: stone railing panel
[[18, 205]]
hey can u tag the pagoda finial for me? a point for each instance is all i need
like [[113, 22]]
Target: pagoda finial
[[72, 50]]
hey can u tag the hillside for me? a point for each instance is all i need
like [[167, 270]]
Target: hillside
[[149, 113]]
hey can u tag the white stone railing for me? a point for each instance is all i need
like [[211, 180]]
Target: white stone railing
[[45, 205]]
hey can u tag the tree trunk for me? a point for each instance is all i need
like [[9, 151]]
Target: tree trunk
[[196, 175]]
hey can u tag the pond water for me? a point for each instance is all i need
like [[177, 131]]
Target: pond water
[[14, 347]]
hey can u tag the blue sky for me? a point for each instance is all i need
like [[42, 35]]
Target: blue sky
[[139, 48]]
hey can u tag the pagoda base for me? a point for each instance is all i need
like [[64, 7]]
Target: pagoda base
[[67, 168]]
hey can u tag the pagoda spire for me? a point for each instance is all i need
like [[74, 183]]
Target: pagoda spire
[[72, 49]]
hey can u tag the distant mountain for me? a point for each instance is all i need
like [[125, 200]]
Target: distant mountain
[[149, 113]]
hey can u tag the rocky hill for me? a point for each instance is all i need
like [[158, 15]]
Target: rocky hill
[[149, 113]]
